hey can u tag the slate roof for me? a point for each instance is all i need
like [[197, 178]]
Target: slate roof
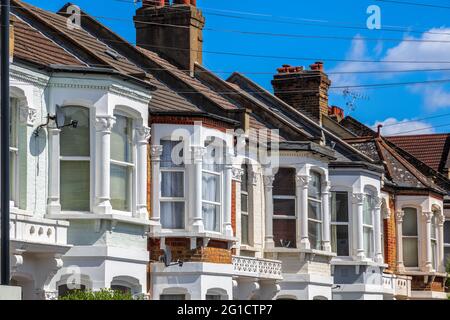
[[431, 149]]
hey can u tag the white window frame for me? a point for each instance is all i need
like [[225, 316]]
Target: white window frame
[[413, 237], [285, 217], [219, 204], [339, 223], [130, 166], [370, 227], [320, 202], [434, 250], [246, 193], [78, 158], [14, 154], [180, 169]]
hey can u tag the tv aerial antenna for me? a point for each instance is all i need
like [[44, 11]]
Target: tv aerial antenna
[[352, 97]]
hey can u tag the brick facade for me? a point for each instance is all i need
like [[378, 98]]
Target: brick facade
[[305, 90], [215, 252], [390, 238]]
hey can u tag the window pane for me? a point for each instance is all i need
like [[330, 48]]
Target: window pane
[[284, 207], [434, 254], [75, 185], [409, 225], [75, 141], [211, 187], [314, 210], [214, 157], [211, 217], [121, 139], [339, 240], [284, 182], [244, 229], [367, 218], [172, 215], [172, 155], [13, 124], [284, 233], [244, 202], [447, 232], [410, 252], [213, 297], [447, 255], [433, 226], [368, 241], [339, 206], [244, 181], [172, 184], [315, 186], [12, 178], [315, 234], [120, 188]]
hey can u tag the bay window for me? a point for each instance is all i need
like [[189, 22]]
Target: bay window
[[315, 211], [244, 206], [172, 187], [121, 163], [212, 177], [410, 238], [339, 223], [284, 212], [368, 227], [75, 160], [13, 154]]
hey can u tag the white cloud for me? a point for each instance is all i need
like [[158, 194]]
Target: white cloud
[[392, 126], [434, 96]]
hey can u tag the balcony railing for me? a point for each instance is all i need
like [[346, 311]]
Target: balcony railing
[[397, 285], [257, 268]]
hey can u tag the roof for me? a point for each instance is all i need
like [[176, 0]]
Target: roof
[[431, 149], [58, 45]]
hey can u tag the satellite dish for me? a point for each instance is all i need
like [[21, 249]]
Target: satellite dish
[[60, 117], [166, 258]]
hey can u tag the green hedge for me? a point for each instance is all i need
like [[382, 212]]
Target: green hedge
[[103, 294]]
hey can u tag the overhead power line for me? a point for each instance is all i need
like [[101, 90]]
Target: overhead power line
[[409, 3]]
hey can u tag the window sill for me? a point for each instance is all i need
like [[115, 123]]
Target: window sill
[[247, 247], [296, 250], [349, 261], [423, 273], [92, 216]]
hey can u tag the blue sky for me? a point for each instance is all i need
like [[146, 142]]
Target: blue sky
[[308, 26]]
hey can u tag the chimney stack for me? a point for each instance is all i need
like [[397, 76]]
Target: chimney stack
[[305, 90], [173, 30]]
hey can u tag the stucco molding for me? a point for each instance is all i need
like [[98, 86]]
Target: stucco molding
[[104, 123]]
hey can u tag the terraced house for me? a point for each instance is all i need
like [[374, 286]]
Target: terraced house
[[138, 169]]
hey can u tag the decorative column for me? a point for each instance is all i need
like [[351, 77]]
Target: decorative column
[[197, 158], [53, 202], [227, 176], [268, 197], [326, 227], [377, 230], [358, 200], [440, 224], [143, 134], [155, 154], [103, 126], [427, 216], [399, 228], [302, 183]]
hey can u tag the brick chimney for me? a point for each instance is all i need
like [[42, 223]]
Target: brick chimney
[[181, 45], [305, 90]]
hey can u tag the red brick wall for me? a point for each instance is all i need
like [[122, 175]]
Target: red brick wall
[[390, 242], [207, 122], [215, 252]]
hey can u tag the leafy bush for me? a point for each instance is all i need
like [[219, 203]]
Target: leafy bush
[[103, 294]]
